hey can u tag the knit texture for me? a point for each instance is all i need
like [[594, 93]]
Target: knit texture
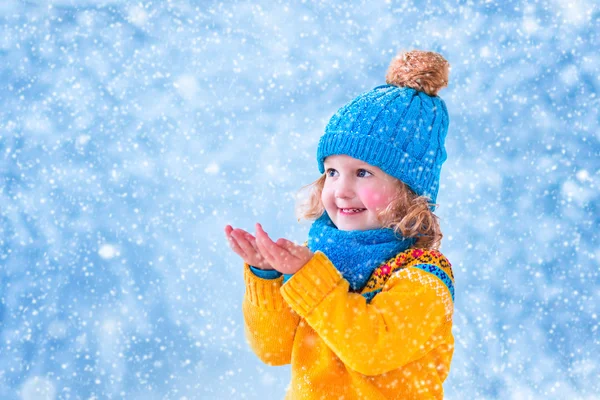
[[397, 346], [398, 129], [355, 254], [269, 274]]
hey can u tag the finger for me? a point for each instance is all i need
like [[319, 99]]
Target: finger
[[252, 241], [290, 246], [243, 242], [263, 236], [243, 231], [281, 254], [262, 242], [249, 237], [228, 233], [233, 243]]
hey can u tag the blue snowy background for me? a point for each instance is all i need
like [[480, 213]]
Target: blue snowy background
[[131, 132]]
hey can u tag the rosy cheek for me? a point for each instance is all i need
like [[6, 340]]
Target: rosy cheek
[[374, 198]]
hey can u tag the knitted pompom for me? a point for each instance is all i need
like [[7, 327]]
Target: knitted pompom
[[425, 71]]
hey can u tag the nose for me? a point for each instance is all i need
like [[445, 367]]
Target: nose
[[344, 190]]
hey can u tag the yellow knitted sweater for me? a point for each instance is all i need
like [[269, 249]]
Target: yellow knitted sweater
[[391, 341]]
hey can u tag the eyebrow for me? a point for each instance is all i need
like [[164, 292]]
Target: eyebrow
[[360, 166]]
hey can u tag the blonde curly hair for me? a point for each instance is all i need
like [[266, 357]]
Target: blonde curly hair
[[407, 214]]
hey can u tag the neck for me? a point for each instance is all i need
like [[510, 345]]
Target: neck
[[355, 254]]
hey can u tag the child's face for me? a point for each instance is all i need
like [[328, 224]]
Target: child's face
[[355, 192]]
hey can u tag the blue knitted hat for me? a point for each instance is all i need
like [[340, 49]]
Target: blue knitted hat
[[399, 127]]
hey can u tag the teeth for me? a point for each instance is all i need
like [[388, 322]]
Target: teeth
[[352, 209]]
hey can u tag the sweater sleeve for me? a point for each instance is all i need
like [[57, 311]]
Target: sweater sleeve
[[265, 273], [400, 325], [269, 323], [269, 274]]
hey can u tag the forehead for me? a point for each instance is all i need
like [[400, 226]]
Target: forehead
[[342, 160]]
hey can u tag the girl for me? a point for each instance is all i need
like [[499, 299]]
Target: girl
[[364, 309]]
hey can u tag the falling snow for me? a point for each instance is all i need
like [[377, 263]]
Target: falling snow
[[132, 132]]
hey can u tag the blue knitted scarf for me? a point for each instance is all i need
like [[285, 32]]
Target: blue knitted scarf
[[356, 254]]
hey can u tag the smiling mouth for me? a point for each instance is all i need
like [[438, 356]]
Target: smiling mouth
[[351, 211]]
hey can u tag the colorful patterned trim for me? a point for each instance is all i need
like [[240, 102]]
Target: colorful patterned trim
[[437, 271], [411, 257]]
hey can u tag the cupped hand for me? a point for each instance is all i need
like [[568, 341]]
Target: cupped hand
[[285, 256], [244, 245]]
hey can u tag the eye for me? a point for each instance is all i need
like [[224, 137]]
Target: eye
[[363, 173], [331, 172]]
